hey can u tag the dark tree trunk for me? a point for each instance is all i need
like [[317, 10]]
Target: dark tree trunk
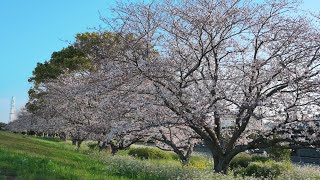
[[114, 149], [101, 146], [78, 142], [221, 164], [74, 142], [188, 154], [185, 160], [63, 136], [32, 133]]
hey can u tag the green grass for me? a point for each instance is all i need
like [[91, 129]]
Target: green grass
[[26, 157]]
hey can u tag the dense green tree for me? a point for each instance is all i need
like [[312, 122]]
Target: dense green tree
[[2, 125], [67, 60]]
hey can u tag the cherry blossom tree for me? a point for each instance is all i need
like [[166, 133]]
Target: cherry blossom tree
[[242, 75], [23, 123], [70, 105]]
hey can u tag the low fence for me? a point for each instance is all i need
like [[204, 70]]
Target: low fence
[[305, 160], [307, 155]]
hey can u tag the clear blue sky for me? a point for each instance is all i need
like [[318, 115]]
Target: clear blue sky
[[32, 29]]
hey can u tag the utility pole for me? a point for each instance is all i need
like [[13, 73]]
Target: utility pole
[[12, 110]]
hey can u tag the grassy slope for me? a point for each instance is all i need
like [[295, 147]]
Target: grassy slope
[[26, 157]]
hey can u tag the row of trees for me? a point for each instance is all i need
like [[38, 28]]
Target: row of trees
[[232, 74]]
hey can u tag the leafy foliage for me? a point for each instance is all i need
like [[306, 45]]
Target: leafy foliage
[[279, 154], [268, 169], [258, 166], [241, 160], [67, 60], [2, 125], [148, 153], [244, 159]]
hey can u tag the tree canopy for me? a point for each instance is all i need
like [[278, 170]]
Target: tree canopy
[[65, 61], [2, 125]]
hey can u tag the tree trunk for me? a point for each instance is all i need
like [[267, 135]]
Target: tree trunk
[[114, 149], [102, 146], [221, 164], [78, 143], [185, 160], [63, 136], [74, 142]]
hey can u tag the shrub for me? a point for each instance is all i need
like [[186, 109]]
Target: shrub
[[241, 160], [2, 126], [93, 145], [260, 166], [149, 153], [279, 154], [259, 158], [266, 169]]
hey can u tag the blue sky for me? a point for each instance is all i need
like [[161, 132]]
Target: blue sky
[[31, 30]]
